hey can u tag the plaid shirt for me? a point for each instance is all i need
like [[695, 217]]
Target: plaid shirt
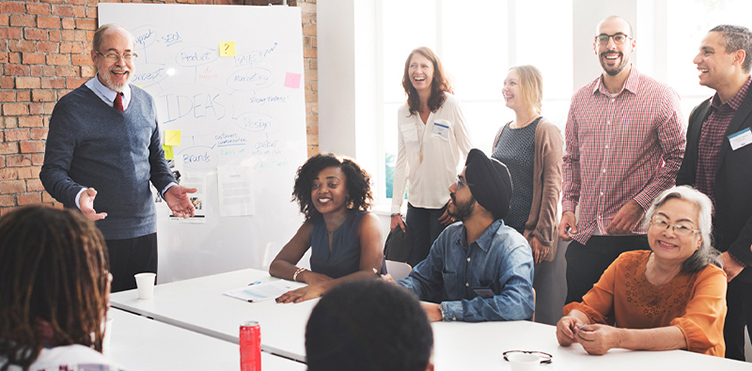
[[711, 138], [619, 148]]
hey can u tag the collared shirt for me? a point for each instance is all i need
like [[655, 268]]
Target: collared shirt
[[622, 147], [108, 95], [711, 138], [429, 155], [500, 260]]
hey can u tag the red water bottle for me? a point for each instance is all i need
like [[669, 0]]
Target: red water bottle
[[250, 346]]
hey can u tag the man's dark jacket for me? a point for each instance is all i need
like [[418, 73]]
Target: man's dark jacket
[[732, 221]]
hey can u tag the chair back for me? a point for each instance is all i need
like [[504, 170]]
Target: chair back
[[398, 270]]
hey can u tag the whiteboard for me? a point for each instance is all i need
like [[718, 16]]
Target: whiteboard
[[244, 111]]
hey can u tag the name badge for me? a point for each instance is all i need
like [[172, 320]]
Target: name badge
[[740, 139], [440, 129]]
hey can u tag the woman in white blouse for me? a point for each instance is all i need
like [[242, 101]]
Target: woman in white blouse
[[432, 142]]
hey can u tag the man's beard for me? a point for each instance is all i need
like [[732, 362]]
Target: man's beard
[[107, 77], [462, 211], [616, 69]]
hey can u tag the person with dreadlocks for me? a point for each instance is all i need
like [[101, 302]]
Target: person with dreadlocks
[[54, 291]]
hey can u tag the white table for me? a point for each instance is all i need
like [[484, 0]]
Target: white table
[[479, 346], [198, 305], [139, 343]]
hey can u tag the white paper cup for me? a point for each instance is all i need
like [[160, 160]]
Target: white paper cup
[[145, 284], [107, 337], [524, 361]]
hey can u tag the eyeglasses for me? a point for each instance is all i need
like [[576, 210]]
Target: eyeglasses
[[619, 38], [545, 358], [677, 228], [114, 57], [460, 183]]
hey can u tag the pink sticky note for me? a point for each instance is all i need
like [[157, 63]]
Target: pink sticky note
[[292, 80]]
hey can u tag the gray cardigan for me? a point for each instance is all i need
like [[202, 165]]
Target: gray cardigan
[[91, 144]]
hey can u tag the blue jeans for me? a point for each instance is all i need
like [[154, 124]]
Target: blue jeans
[[424, 229]]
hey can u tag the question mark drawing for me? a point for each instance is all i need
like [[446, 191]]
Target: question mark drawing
[[224, 49]]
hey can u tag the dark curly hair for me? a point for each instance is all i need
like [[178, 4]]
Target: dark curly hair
[[357, 181], [53, 266]]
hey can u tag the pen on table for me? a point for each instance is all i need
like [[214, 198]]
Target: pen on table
[[254, 283]]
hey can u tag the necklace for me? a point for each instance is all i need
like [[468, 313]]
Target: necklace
[[526, 122], [337, 223]]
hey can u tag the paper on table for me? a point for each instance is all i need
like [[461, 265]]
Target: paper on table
[[262, 291]]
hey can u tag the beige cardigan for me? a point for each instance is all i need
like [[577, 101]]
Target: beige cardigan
[[543, 220]]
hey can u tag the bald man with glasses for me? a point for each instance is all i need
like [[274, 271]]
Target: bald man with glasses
[[103, 149], [624, 145]]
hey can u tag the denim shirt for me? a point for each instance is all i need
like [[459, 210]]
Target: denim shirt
[[500, 260]]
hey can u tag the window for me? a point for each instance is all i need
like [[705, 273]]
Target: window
[[478, 42], [687, 24], [477, 45]]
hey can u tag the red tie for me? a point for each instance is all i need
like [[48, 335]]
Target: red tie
[[119, 102]]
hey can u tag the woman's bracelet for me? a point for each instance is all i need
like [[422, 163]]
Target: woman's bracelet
[[297, 272]]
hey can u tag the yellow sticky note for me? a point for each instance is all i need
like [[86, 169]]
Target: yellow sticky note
[[172, 137], [168, 155], [227, 49]]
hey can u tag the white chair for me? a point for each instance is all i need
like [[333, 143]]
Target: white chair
[[398, 270]]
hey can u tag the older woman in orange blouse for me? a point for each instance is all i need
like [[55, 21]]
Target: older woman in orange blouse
[[672, 297]]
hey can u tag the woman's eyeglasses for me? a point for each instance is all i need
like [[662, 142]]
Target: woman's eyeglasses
[[545, 358], [677, 228]]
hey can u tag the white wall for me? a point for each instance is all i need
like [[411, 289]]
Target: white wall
[[587, 14], [336, 72], [349, 112]]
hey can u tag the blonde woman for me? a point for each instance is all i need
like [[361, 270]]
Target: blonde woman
[[531, 147]]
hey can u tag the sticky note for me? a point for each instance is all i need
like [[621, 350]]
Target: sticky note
[[227, 49], [292, 80], [168, 154], [172, 137]]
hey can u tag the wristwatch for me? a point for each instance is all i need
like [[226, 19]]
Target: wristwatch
[[395, 214], [441, 310]]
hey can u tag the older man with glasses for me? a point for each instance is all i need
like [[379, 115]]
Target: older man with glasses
[[103, 149], [624, 145]]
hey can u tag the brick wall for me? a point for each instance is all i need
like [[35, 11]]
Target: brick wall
[[44, 53]]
